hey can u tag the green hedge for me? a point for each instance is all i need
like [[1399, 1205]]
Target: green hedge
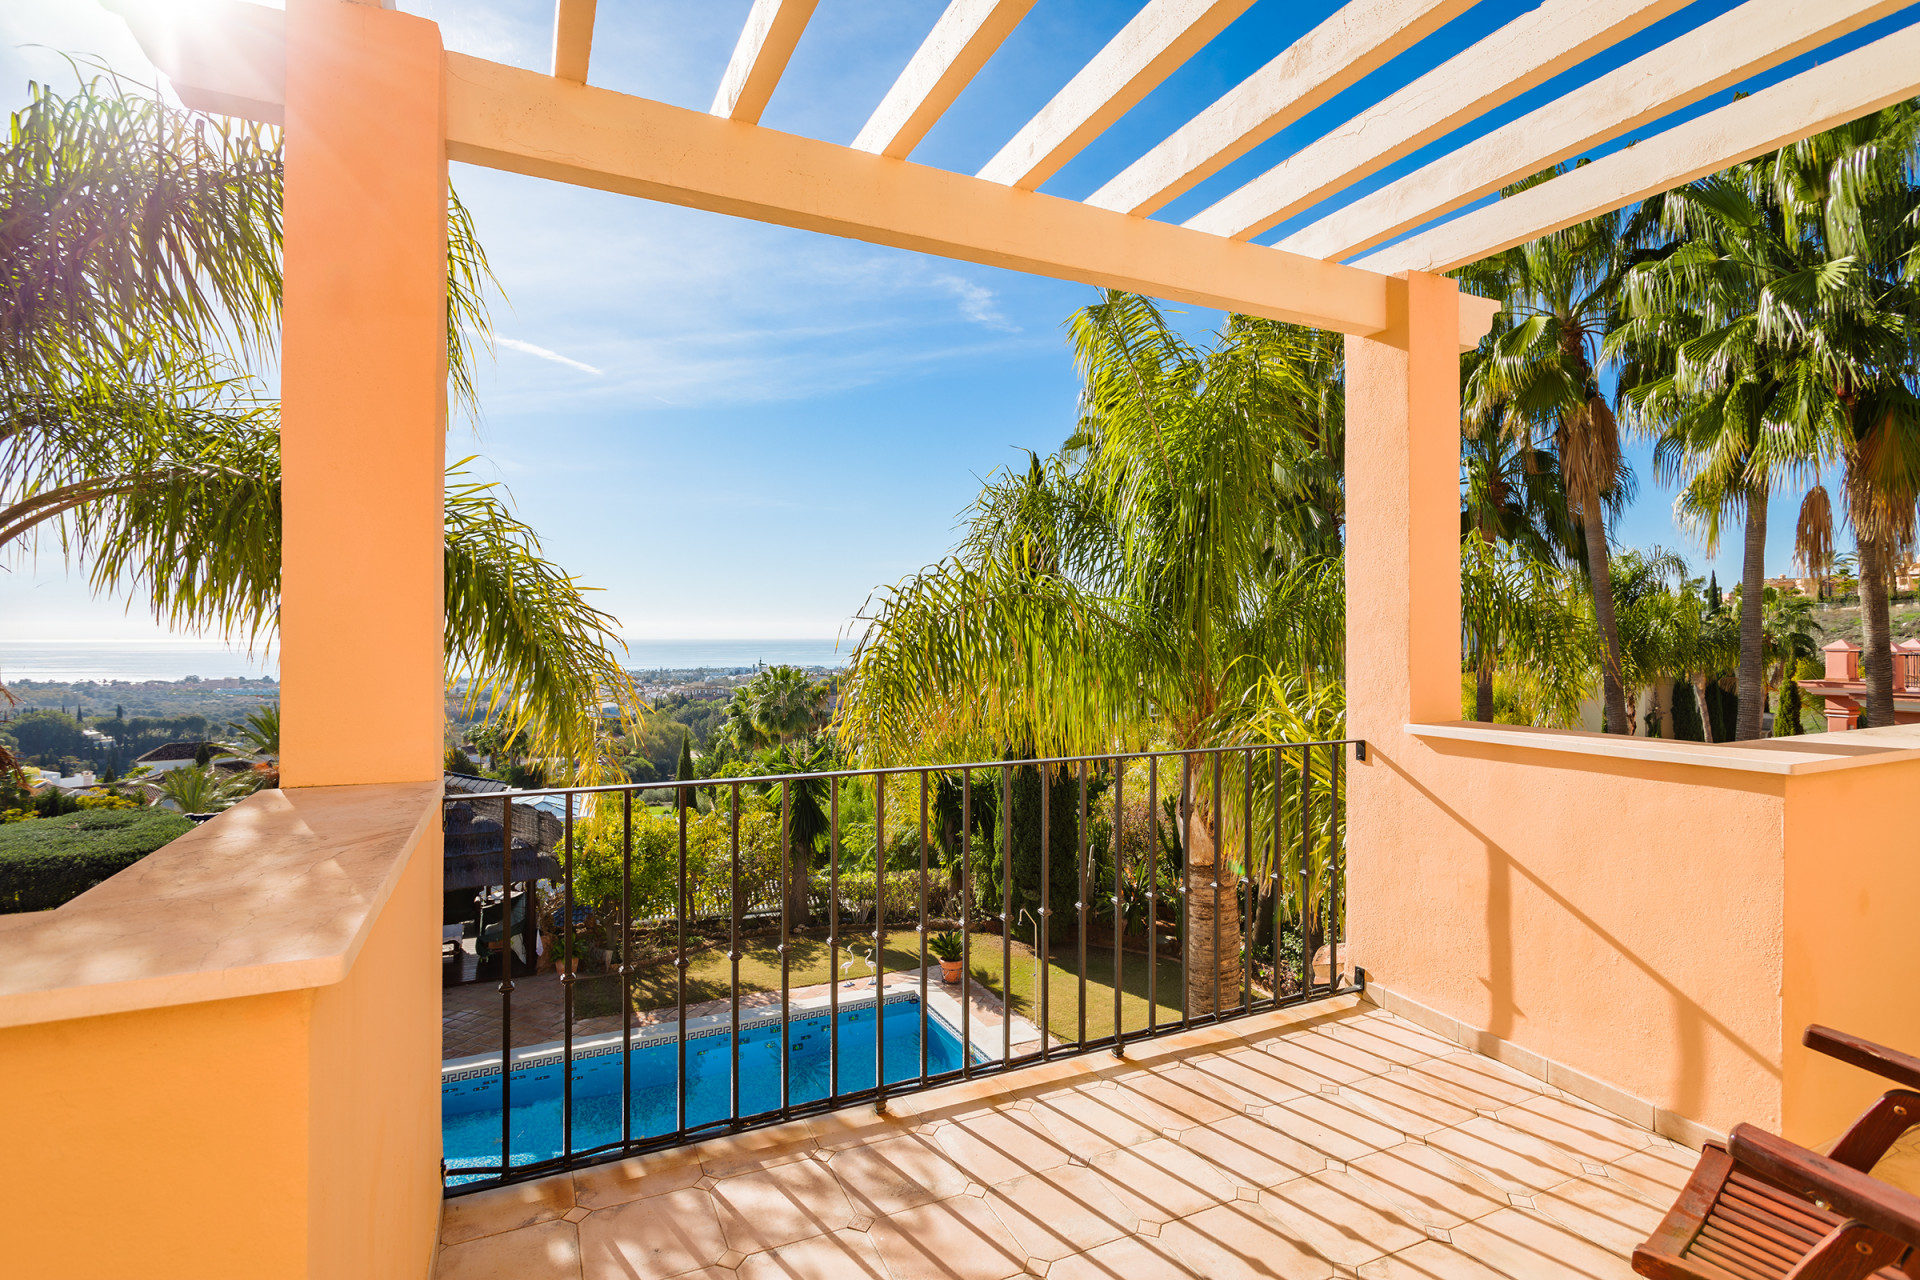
[[48, 861]]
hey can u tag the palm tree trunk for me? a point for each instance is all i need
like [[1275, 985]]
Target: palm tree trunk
[[1876, 662], [1600, 574], [1700, 695], [1213, 915], [1753, 583], [1483, 693]]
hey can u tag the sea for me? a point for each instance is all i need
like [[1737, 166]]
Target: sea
[[135, 661]]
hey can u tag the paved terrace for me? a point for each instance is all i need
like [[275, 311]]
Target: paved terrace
[[1335, 1141]]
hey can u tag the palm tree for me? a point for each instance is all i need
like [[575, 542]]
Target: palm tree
[[139, 258], [197, 789], [1537, 377], [1135, 588], [1519, 616], [258, 733]]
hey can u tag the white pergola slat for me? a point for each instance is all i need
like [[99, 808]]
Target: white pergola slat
[[1852, 85], [766, 45], [572, 39], [1360, 38], [1156, 43], [1716, 55], [1526, 52], [960, 43]]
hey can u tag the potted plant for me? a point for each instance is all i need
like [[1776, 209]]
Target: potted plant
[[946, 948], [567, 959]]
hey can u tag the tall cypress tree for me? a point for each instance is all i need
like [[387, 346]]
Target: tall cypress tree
[[1063, 839], [1786, 718], [683, 772], [1687, 724]]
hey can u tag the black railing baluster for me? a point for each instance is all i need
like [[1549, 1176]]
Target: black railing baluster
[[1336, 880], [1219, 859], [1043, 939], [683, 904], [1306, 829], [626, 969], [1119, 919], [833, 941], [966, 924], [1249, 915], [1080, 908], [923, 927], [1273, 861], [506, 983], [1153, 895], [786, 945], [1186, 888], [734, 910], [879, 942], [1006, 918], [566, 992]]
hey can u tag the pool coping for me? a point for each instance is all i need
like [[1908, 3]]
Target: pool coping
[[941, 1004]]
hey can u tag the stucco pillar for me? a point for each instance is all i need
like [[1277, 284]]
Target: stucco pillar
[[363, 383], [1403, 513]]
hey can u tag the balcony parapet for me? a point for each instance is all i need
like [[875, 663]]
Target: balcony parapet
[[1792, 757], [277, 894]]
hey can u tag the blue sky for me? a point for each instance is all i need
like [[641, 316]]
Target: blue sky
[[740, 430]]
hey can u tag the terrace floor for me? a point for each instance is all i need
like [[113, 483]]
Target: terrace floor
[[1335, 1140]]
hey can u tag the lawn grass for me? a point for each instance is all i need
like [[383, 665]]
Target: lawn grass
[[709, 977]]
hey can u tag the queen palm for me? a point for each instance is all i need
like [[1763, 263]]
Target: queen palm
[[1537, 377], [139, 259], [1134, 589]]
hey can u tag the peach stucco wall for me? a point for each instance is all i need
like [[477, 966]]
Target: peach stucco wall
[[1852, 933], [1621, 918]]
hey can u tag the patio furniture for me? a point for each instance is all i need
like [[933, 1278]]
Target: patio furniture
[[490, 926], [1761, 1208]]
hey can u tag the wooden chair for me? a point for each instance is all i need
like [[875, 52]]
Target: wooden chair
[[1761, 1208]]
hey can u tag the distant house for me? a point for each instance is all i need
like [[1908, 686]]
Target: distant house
[[174, 755]]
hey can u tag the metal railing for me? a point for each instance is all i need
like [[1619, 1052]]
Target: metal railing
[[1246, 839]]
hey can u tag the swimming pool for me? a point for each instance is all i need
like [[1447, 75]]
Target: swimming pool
[[470, 1101]]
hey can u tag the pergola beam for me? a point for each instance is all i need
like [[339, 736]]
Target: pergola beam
[[1744, 42], [1526, 52], [1156, 43], [766, 45], [507, 118], [1353, 43], [572, 39], [1852, 85], [960, 43]]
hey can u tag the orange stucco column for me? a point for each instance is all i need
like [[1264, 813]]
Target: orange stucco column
[[363, 384], [1403, 514]]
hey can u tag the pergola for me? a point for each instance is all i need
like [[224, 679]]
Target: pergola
[[1504, 881]]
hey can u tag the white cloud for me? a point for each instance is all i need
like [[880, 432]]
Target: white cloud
[[515, 344], [977, 303]]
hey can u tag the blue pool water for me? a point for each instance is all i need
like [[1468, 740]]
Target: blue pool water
[[470, 1109]]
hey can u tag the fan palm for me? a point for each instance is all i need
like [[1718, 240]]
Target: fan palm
[[1136, 588], [1536, 377], [140, 254]]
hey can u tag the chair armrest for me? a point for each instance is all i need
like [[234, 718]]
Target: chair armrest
[[1902, 1068], [1844, 1191]]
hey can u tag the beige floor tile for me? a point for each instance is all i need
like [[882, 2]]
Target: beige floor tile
[[1001, 1145], [1427, 1187], [898, 1173], [1432, 1260], [1603, 1211], [1241, 1240], [1513, 1161], [1390, 1038], [1340, 1217], [548, 1251], [1128, 1258], [1528, 1246], [956, 1239], [1656, 1173], [1483, 1084], [773, 1207], [856, 1125], [1408, 1103], [1588, 1132], [1308, 1061], [1176, 1097], [1253, 1153], [1249, 1076], [604, 1185], [487, 1213], [756, 1149], [1065, 1211], [656, 1237], [1331, 1124], [844, 1255], [1162, 1180], [1087, 1122]]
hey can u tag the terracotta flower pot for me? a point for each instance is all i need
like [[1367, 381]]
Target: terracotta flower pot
[[950, 971]]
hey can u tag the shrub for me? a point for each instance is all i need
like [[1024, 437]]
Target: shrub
[[49, 861]]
